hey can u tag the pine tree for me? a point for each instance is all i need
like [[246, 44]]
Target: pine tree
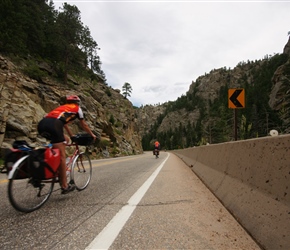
[[127, 89]]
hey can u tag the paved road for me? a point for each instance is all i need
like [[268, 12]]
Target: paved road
[[135, 202]]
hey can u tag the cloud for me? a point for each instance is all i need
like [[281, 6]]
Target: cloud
[[160, 47]]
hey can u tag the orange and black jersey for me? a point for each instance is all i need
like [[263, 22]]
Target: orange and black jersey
[[157, 145], [66, 113]]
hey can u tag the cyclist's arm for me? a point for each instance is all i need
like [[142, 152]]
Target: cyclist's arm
[[87, 129], [68, 130]]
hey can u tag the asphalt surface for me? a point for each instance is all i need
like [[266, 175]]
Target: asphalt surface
[[176, 212]]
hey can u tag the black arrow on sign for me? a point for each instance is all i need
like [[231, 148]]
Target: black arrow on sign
[[234, 97]]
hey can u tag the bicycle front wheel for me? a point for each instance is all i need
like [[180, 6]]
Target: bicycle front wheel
[[25, 193], [81, 171]]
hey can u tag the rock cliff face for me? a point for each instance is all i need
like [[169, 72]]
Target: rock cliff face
[[207, 88], [281, 86], [280, 78], [287, 48], [148, 115], [25, 101]]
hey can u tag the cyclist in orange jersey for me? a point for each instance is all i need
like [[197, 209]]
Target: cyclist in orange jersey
[[157, 145], [51, 127], [156, 148]]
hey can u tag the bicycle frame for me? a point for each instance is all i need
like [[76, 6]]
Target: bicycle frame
[[68, 165], [72, 157], [79, 167]]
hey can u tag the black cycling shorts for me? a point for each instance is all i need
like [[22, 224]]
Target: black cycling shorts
[[51, 129]]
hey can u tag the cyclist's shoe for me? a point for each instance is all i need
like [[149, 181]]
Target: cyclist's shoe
[[69, 188], [71, 182]]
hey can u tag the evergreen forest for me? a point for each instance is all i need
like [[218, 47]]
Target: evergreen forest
[[35, 31], [216, 121]]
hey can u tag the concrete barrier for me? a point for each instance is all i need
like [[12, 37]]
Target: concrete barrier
[[252, 180]]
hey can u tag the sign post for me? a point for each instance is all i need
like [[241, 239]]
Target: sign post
[[236, 100]]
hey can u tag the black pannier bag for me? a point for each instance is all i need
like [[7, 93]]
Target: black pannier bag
[[155, 152], [36, 162], [11, 157], [20, 149], [44, 163]]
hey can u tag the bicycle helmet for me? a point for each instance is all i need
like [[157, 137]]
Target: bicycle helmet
[[73, 98]]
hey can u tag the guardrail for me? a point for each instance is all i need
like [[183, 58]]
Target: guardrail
[[252, 180]]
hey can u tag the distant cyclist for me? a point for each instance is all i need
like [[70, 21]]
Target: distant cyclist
[[51, 127], [156, 148]]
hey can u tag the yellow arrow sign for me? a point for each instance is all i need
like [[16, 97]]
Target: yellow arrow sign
[[236, 98]]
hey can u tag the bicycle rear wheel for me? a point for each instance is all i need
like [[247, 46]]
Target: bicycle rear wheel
[[25, 193], [81, 171]]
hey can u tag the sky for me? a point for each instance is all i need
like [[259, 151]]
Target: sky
[[161, 47]]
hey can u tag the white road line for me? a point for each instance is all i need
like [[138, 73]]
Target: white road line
[[107, 236]]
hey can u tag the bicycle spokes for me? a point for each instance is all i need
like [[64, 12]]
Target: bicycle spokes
[[82, 171], [80, 166], [37, 184]]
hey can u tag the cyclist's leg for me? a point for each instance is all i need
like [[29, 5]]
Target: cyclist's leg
[[55, 128], [62, 167], [66, 188], [67, 139]]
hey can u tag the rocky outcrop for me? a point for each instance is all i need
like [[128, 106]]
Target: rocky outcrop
[[279, 97], [207, 88], [176, 118], [280, 79], [25, 101], [287, 48], [148, 115]]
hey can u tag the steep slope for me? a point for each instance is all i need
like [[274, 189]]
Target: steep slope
[[25, 101], [202, 114], [280, 94]]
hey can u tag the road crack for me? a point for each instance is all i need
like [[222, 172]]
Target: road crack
[[160, 203]]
